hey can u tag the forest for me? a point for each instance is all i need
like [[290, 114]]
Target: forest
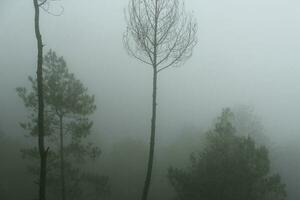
[[149, 100]]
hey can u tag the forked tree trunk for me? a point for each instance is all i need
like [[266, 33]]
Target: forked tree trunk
[[41, 145], [62, 160]]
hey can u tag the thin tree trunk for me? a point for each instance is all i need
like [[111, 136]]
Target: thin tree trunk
[[152, 138], [153, 120], [62, 161], [41, 145]]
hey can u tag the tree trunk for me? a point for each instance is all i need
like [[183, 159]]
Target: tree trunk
[[152, 138], [41, 145], [153, 120], [62, 161]]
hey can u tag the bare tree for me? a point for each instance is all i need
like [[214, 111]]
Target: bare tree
[[44, 4], [160, 34]]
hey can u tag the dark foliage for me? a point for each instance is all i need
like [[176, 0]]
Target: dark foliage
[[229, 168], [67, 127]]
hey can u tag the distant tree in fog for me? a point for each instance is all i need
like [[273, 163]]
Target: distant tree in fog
[[229, 168], [160, 34], [247, 123], [67, 127]]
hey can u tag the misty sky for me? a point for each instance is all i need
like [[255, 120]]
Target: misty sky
[[247, 53]]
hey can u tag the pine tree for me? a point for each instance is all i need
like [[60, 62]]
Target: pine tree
[[229, 168], [67, 127]]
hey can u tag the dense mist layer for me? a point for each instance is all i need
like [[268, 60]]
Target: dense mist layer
[[246, 58]]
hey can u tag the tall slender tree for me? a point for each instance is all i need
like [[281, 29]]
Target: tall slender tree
[[70, 105], [43, 152], [41, 144], [160, 34]]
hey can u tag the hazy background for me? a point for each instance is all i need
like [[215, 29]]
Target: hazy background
[[247, 54]]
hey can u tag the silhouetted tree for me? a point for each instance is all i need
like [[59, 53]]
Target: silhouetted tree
[[160, 34], [44, 4], [67, 107], [229, 168], [42, 151]]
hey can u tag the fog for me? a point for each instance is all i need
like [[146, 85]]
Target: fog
[[246, 54]]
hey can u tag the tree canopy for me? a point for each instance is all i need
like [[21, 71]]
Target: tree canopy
[[230, 167], [67, 127]]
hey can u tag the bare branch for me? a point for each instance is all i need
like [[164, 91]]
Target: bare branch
[[45, 5], [42, 3], [53, 14], [133, 53], [159, 32]]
